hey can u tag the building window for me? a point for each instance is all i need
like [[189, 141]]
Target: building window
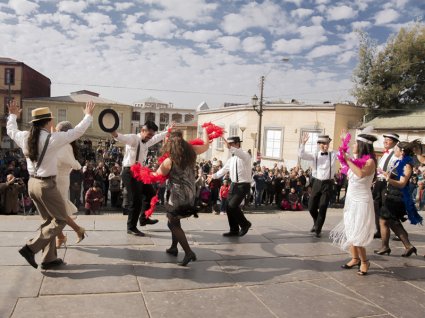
[[188, 117], [135, 116], [150, 116], [61, 115], [220, 143], [164, 119], [234, 130], [176, 118], [9, 76], [273, 142], [120, 115]]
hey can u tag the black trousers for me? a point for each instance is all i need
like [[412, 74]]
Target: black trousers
[[139, 196], [235, 216], [378, 193], [319, 201]]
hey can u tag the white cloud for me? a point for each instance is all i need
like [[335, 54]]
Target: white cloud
[[362, 5], [322, 1], [386, 16], [301, 13], [199, 11], [310, 36], [75, 7], [317, 20], [230, 43], [266, 15], [253, 44], [323, 50], [162, 29], [361, 25], [23, 7], [345, 57], [122, 6], [340, 13], [296, 2], [201, 35]]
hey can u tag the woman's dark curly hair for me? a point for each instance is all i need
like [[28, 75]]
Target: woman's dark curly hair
[[408, 147], [181, 152], [33, 138]]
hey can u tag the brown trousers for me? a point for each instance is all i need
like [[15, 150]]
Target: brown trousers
[[51, 206]]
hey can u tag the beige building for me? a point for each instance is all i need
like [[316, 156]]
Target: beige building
[[282, 128], [70, 108]]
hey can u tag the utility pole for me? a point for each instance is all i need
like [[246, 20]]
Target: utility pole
[[260, 113]]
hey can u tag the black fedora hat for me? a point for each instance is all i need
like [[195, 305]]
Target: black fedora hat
[[109, 120], [233, 139]]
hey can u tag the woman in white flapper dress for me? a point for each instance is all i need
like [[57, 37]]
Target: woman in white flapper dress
[[66, 163], [357, 227]]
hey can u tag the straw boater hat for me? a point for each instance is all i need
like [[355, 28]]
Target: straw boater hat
[[393, 136], [323, 138], [41, 113]]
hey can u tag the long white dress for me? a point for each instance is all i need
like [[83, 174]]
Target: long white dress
[[358, 224], [66, 162]]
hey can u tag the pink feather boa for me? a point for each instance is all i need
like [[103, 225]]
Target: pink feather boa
[[343, 149]]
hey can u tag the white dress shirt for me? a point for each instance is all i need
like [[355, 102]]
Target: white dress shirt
[[322, 168], [49, 165], [131, 141], [239, 164], [381, 163]]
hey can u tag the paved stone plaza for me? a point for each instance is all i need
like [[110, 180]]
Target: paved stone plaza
[[277, 270]]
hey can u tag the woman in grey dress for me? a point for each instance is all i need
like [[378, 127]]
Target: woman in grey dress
[[180, 168]]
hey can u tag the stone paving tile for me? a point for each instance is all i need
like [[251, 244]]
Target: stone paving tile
[[269, 270], [290, 299], [210, 223], [103, 255], [112, 238], [409, 273], [168, 277], [156, 254], [398, 298], [250, 250], [281, 232], [309, 246], [15, 282], [163, 238], [93, 306], [18, 223], [216, 237], [10, 256], [15, 239], [89, 279], [211, 303]]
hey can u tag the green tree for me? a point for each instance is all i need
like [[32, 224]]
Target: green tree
[[392, 78]]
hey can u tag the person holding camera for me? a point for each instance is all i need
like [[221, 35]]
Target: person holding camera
[[10, 191]]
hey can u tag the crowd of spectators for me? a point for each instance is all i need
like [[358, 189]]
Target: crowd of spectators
[[100, 180]]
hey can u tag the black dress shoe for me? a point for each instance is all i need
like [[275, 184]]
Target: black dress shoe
[[231, 233], [28, 255], [49, 265], [187, 258], [244, 229], [135, 232], [317, 234], [172, 250], [313, 229], [144, 222]]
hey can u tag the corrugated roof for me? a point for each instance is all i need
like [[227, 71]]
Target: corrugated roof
[[77, 98], [406, 120], [8, 60]]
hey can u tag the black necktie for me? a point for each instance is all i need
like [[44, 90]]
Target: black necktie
[[323, 153]]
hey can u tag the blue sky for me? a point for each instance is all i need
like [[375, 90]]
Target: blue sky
[[186, 52]]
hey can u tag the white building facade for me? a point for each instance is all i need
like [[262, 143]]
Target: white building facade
[[159, 112]]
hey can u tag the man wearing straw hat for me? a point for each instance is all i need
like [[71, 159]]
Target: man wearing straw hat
[[41, 148], [384, 165], [323, 172]]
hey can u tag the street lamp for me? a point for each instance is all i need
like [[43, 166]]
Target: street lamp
[[242, 129]]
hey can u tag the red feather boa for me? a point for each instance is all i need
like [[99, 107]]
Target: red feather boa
[[146, 175]]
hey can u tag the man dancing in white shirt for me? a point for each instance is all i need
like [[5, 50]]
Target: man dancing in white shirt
[[239, 166], [139, 194]]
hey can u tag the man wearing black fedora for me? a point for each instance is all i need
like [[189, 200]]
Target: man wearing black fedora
[[323, 170], [239, 168], [139, 194], [385, 164]]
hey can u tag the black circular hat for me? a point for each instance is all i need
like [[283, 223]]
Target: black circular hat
[[109, 120]]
